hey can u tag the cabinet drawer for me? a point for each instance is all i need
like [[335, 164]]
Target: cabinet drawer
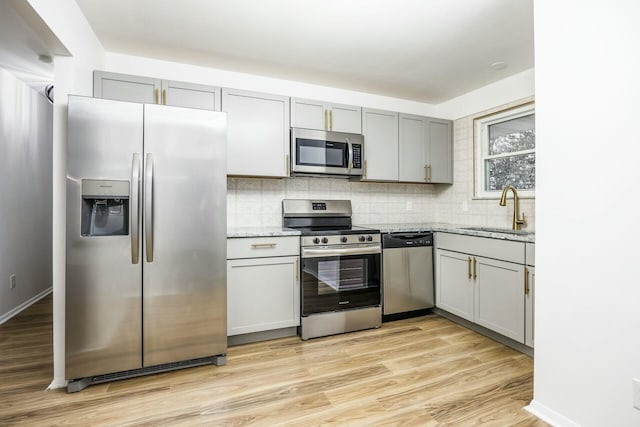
[[530, 253], [505, 250], [259, 247]]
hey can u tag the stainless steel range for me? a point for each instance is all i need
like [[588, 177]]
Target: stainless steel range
[[339, 269]]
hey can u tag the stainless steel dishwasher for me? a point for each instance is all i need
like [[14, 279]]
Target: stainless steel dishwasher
[[407, 263]]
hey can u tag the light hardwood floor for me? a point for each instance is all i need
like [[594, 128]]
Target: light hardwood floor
[[425, 371]]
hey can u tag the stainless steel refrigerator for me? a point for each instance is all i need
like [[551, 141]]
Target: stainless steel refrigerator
[[146, 239]]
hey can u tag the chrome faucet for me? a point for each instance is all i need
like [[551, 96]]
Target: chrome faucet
[[517, 221]]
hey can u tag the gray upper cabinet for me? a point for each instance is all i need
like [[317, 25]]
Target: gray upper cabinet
[[310, 114], [380, 130], [440, 151], [258, 137], [189, 95], [124, 87], [426, 150], [148, 90], [413, 148]]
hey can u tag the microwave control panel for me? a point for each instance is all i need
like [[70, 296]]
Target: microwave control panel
[[357, 156]]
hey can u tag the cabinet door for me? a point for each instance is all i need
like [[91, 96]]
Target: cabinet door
[[454, 283], [345, 118], [189, 95], [440, 153], [413, 146], [258, 135], [262, 294], [529, 307], [380, 129], [309, 114], [123, 87], [499, 297]]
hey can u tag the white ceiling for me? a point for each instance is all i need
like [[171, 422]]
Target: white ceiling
[[424, 50]]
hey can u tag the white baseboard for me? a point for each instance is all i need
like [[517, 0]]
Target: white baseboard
[[549, 416], [8, 315], [57, 383]]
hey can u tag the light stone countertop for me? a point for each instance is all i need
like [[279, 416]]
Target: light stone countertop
[[260, 232], [522, 236], [490, 232]]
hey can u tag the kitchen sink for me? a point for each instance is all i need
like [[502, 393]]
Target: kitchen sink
[[498, 230]]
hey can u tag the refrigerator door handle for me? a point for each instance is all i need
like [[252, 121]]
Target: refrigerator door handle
[[135, 209], [148, 207]]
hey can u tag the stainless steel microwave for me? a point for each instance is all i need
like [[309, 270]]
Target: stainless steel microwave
[[321, 152]]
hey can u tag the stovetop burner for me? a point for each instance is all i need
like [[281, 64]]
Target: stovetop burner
[[321, 217], [334, 231]]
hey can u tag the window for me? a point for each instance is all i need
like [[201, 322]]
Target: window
[[505, 152]]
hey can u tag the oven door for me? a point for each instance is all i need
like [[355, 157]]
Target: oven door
[[337, 282]]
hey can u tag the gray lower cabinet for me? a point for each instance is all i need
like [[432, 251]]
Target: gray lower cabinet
[[258, 136], [498, 297], [380, 130], [263, 284], [425, 150], [472, 284], [530, 290], [320, 115], [454, 283], [149, 90]]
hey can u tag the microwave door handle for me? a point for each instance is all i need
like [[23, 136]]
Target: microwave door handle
[[350, 159]]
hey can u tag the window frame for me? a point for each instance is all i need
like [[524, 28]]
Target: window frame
[[481, 142]]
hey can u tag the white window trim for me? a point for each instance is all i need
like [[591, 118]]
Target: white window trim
[[481, 142]]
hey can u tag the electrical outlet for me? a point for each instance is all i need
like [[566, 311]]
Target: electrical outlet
[[409, 205], [636, 393], [12, 281], [465, 206]]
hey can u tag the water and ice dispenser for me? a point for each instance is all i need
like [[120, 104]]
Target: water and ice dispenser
[[105, 208]]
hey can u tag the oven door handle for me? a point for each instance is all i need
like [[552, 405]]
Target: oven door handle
[[327, 252]]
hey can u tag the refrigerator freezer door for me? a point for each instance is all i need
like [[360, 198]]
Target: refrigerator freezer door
[[184, 283], [103, 293]]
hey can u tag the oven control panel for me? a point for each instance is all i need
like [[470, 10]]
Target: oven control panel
[[351, 239]]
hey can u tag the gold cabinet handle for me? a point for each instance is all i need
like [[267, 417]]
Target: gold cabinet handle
[[297, 269], [526, 281], [286, 164], [426, 173], [364, 172], [326, 119], [155, 95], [164, 97], [263, 245], [475, 268], [469, 267], [331, 120]]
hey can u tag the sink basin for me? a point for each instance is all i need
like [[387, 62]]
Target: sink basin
[[498, 230]]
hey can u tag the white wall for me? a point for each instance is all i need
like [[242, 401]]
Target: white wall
[[588, 287], [25, 194], [128, 64], [72, 75], [517, 86]]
